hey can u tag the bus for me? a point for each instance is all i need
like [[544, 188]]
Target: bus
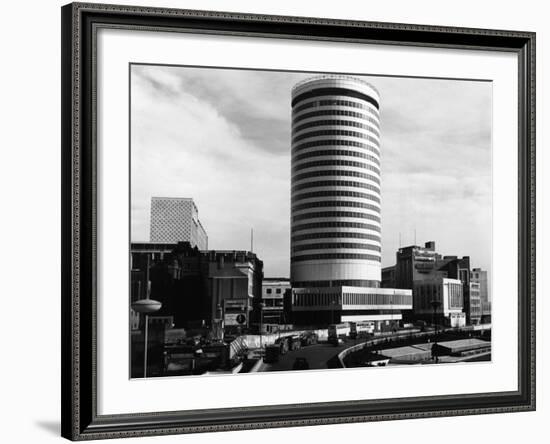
[[361, 327]]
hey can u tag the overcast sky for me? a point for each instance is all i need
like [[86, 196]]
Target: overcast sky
[[222, 137]]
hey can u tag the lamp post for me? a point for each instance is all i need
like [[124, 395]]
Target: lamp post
[[261, 305], [146, 306], [435, 305]]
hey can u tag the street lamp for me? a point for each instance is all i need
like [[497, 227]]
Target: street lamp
[[261, 305], [146, 306], [332, 305], [435, 305]]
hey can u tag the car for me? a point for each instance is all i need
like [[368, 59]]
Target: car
[[309, 338], [300, 364], [336, 341], [295, 343]]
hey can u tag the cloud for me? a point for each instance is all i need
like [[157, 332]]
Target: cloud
[[222, 137]]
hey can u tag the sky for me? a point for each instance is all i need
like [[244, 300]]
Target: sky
[[222, 137]]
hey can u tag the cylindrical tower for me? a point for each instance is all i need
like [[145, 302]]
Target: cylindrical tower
[[335, 185]]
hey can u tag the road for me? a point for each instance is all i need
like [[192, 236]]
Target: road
[[318, 357]]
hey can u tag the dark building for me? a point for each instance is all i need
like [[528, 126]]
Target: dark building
[[480, 276], [416, 264], [194, 286]]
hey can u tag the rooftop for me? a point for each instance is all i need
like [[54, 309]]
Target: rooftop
[[333, 77]]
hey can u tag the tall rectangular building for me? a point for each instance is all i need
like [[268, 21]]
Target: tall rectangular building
[[176, 219]]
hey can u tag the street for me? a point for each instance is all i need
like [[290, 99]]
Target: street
[[318, 356]]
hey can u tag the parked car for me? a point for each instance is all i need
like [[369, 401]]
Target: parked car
[[309, 338], [283, 344], [295, 343]]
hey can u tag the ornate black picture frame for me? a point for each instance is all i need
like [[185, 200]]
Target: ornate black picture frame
[[80, 419]]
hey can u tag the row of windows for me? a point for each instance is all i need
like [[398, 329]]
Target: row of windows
[[269, 290], [336, 133], [335, 193], [334, 91], [352, 214], [319, 299], [336, 224], [335, 142], [336, 162], [348, 173], [338, 123], [324, 256], [343, 234], [337, 283], [332, 245], [336, 153], [336, 102], [337, 112], [335, 203], [377, 299], [335, 183]]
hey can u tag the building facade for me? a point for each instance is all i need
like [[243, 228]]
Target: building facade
[[335, 205], [197, 287], [272, 303], [330, 305], [174, 220], [335, 183], [414, 263], [440, 300], [480, 276]]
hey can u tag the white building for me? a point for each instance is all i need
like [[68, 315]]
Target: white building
[[335, 205], [448, 297], [335, 183], [273, 293], [176, 219]]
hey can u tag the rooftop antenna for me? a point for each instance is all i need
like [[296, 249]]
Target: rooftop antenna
[[251, 239], [415, 235], [400, 239]]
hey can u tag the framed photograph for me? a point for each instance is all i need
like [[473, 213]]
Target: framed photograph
[[275, 221]]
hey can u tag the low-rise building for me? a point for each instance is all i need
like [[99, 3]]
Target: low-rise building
[[333, 305], [194, 286], [272, 303], [439, 300]]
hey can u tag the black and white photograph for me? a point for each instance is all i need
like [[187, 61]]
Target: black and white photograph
[[285, 221]]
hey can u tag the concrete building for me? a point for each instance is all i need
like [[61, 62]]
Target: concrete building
[[335, 183], [447, 293], [273, 293], [175, 219], [415, 263], [335, 201], [198, 287], [330, 305], [472, 305], [480, 276]]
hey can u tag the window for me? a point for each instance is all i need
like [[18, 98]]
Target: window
[[337, 133], [268, 290], [351, 214], [336, 142], [336, 193], [335, 183], [336, 162], [349, 173], [278, 291], [347, 153], [336, 122]]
